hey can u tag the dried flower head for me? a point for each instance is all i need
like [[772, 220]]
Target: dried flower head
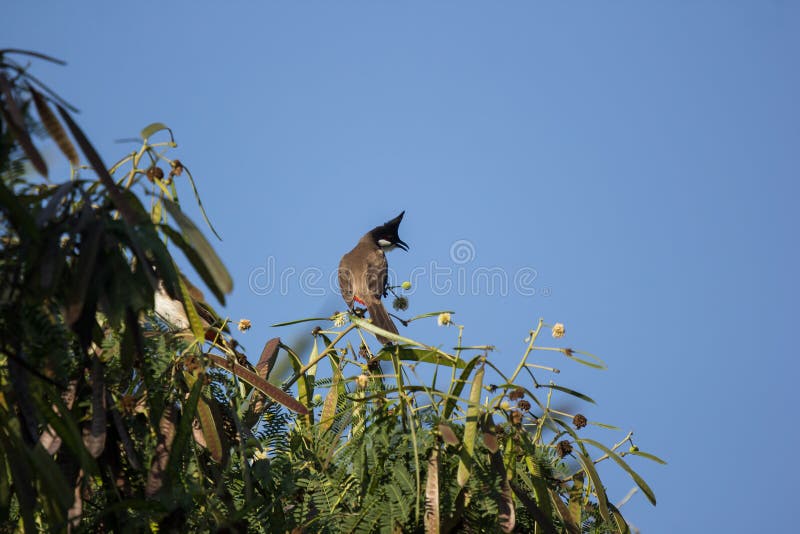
[[558, 330], [400, 303], [363, 351], [316, 331], [563, 448], [524, 405], [444, 319], [579, 421], [155, 173], [244, 325]]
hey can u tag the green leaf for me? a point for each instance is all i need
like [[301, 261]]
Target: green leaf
[[470, 428], [184, 430], [423, 356], [209, 423], [195, 322], [568, 391], [648, 456], [307, 320], [600, 491], [622, 525], [596, 364], [151, 129], [52, 479], [430, 314], [15, 121], [624, 465], [219, 275], [20, 467], [195, 259], [54, 128], [455, 393]]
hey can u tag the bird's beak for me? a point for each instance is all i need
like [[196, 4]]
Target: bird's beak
[[400, 243]]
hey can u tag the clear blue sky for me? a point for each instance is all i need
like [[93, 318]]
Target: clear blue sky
[[641, 157]]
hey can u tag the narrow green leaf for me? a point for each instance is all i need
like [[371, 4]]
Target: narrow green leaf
[[22, 478], [622, 525], [55, 486], [423, 356], [596, 364], [455, 392], [624, 465], [430, 314], [470, 428], [530, 505], [195, 259], [648, 456], [568, 391], [599, 490], [307, 320], [391, 336], [15, 121], [195, 322], [153, 128], [563, 511], [209, 424], [219, 274], [54, 128], [184, 430]]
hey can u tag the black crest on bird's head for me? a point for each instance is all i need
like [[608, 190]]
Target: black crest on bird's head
[[386, 235]]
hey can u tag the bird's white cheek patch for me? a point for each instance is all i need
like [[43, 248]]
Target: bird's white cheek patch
[[384, 243]]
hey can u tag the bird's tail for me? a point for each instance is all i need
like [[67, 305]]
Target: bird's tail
[[380, 318]]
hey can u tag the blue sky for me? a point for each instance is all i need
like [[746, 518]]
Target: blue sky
[[640, 159]]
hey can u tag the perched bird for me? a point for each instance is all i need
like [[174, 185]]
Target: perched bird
[[363, 272]]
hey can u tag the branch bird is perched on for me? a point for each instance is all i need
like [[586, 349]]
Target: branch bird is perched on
[[363, 272]]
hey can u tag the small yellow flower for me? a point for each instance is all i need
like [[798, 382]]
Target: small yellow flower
[[340, 319], [505, 405], [444, 319], [362, 381], [406, 285], [259, 455], [244, 325], [558, 330], [317, 398]]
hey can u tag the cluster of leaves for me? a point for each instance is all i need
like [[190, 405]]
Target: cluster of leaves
[[127, 404]]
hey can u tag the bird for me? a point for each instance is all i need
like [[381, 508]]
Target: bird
[[363, 273]]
